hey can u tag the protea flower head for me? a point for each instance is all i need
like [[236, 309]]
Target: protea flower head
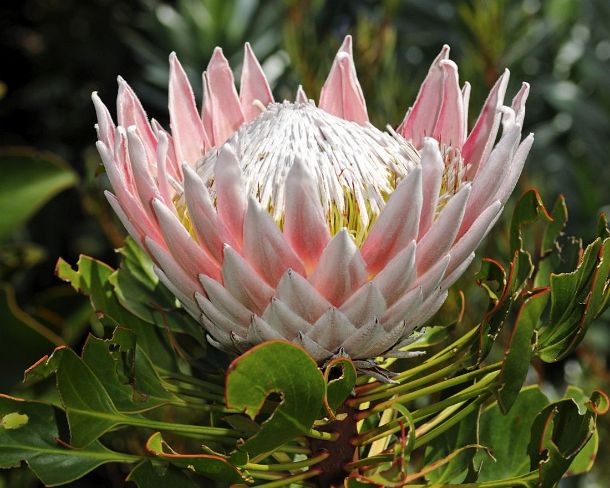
[[287, 220]]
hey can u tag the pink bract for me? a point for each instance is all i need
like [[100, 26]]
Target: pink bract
[[290, 221]]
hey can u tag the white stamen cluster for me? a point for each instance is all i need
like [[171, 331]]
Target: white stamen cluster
[[350, 162]]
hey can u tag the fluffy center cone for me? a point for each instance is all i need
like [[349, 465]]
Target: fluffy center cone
[[355, 167]]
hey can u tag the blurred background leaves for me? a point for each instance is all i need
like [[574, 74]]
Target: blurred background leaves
[[56, 52]]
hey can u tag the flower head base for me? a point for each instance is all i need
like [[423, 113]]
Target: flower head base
[[290, 221]]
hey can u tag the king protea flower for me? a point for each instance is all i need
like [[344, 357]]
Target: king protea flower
[[286, 220]]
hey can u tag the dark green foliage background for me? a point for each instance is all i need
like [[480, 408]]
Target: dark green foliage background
[[56, 52]]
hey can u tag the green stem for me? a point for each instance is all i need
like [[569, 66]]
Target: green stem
[[428, 390], [406, 386], [293, 450], [395, 425], [452, 420], [182, 428], [202, 406], [466, 394], [323, 436], [289, 466], [207, 385], [292, 479], [214, 397], [445, 354], [266, 475], [508, 483], [370, 461]]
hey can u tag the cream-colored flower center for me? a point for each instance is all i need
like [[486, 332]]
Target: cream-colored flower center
[[355, 167]]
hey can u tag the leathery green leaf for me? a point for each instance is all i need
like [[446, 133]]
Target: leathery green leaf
[[281, 368], [338, 389], [126, 372], [519, 350], [211, 466], [528, 210], [89, 408], [583, 462], [146, 475], [460, 435], [92, 278], [508, 436], [577, 298], [29, 180], [36, 443], [558, 434], [553, 229], [17, 327], [139, 291]]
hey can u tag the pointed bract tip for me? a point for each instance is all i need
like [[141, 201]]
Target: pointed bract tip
[[217, 52], [346, 45], [301, 95], [226, 151], [157, 205], [173, 57], [187, 169], [101, 146]]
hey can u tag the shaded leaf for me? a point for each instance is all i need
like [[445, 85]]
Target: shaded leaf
[[139, 291], [554, 228], [518, 350], [145, 475], [211, 466], [35, 442], [29, 180], [24, 339], [584, 460], [460, 435]]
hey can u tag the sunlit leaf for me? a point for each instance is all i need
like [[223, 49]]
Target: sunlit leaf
[[508, 436], [286, 370]]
